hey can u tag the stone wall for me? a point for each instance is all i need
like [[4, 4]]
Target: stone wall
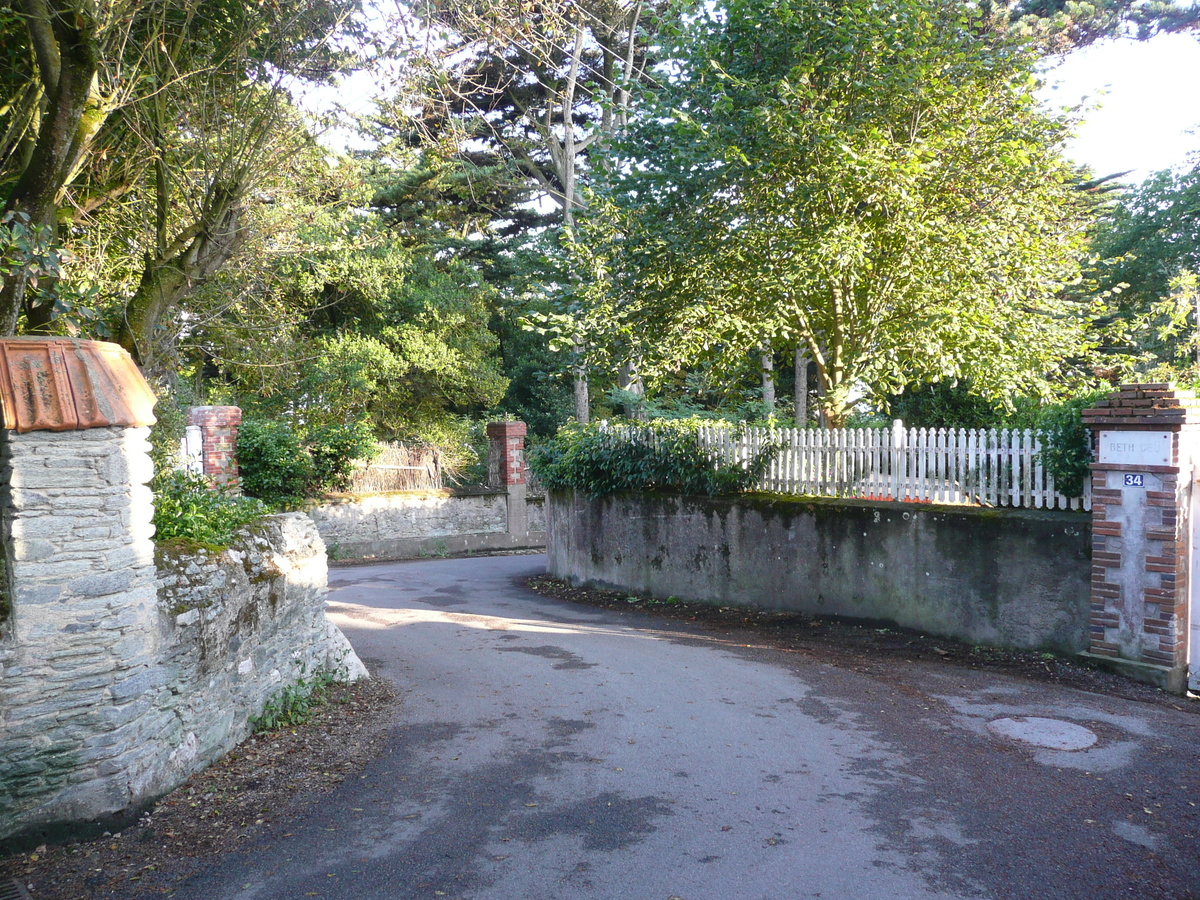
[[237, 625], [1017, 578], [80, 643], [115, 685], [413, 524], [108, 700], [536, 512]]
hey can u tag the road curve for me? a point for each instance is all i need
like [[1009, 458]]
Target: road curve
[[548, 751]]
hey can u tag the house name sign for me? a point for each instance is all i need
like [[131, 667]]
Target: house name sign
[[1135, 448]]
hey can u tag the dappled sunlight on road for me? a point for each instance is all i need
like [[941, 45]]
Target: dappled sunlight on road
[[357, 616]]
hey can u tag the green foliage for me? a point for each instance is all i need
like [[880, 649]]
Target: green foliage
[[1061, 26], [295, 704], [872, 182], [282, 465], [334, 450], [24, 245], [956, 405], [1147, 261], [1066, 443], [186, 507], [32, 249], [273, 463], [166, 118], [373, 331], [664, 455], [169, 427]]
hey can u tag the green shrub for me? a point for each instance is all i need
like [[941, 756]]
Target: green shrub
[[664, 455], [168, 430], [334, 450], [282, 466], [186, 507], [1066, 443], [273, 464]]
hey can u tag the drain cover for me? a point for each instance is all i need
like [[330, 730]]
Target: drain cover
[[13, 890], [1052, 734]]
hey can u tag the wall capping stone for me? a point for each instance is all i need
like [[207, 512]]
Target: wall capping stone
[[64, 384]]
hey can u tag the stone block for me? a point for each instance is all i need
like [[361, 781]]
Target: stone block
[[98, 585], [27, 594]]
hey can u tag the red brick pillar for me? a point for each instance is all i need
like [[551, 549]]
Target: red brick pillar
[[506, 470], [1145, 438], [218, 427], [506, 453]]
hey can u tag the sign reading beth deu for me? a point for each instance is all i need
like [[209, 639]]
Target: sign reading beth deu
[[1135, 448]]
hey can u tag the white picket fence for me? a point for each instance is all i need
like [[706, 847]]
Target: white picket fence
[[982, 467]]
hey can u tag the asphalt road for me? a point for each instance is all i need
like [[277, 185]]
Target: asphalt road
[[546, 750]]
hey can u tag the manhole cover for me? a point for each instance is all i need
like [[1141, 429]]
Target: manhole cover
[[1052, 734]]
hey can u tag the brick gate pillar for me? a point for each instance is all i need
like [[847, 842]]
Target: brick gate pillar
[[506, 469], [218, 432], [1146, 437]]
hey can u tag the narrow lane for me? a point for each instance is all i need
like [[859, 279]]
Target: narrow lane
[[554, 751]]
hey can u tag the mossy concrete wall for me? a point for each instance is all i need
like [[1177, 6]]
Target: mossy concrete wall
[[1012, 578]]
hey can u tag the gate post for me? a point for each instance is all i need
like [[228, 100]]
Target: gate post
[[218, 434], [81, 683], [1146, 437], [506, 469]]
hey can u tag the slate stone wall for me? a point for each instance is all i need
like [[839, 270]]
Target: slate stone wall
[[79, 645], [237, 625], [116, 683]]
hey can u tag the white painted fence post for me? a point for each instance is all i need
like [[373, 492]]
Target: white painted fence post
[[192, 450]]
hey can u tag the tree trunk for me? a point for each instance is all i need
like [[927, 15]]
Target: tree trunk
[[768, 382], [66, 55], [822, 418], [173, 274], [163, 284], [801, 391], [629, 380], [833, 398], [581, 397]]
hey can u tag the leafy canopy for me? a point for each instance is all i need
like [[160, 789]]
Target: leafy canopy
[[1147, 252], [875, 183]]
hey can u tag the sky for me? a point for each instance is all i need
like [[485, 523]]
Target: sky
[[1142, 98]]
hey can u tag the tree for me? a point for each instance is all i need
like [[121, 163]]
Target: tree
[[874, 185], [362, 328], [541, 91], [1147, 253], [469, 209], [1062, 25], [176, 108]]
